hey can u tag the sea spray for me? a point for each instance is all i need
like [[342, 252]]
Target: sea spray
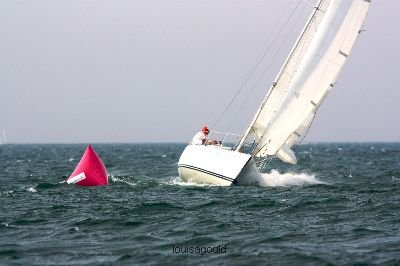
[[276, 179]]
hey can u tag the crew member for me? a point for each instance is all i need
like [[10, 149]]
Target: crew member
[[201, 138]]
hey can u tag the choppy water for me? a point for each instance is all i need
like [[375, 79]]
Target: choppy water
[[339, 205]]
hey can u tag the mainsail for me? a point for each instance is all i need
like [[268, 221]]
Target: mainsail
[[302, 85]]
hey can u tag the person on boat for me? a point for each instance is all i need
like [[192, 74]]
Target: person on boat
[[201, 138]]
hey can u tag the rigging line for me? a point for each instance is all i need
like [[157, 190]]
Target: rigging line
[[285, 38], [252, 72], [265, 163], [308, 128], [297, 63], [279, 76], [300, 46]]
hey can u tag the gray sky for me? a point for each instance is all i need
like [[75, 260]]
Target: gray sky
[[158, 70]]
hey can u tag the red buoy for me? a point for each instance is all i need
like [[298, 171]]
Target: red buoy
[[90, 171]]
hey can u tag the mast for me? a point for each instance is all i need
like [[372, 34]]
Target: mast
[[302, 89], [299, 39]]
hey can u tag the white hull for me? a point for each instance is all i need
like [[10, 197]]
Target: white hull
[[214, 165]]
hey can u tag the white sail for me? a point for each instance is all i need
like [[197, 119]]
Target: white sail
[[3, 137], [287, 122], [279, 89]]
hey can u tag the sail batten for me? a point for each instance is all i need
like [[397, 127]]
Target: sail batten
[[289, 109], [279, 87]]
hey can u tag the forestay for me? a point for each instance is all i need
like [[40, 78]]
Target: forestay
[[302, 84]]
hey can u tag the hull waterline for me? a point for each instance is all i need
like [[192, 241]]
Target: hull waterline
[[214, 165]]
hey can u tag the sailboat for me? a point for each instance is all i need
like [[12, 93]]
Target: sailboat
[[290, 105], [3, 137]]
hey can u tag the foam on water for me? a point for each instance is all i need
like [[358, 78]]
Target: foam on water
[[10, 192], [178, 181], [116, 179], [31, 189], [276, 179]]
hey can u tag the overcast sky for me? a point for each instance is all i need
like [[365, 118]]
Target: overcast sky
[[158, 70]]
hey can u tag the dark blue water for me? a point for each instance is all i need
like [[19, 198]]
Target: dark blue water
[[339, 205]]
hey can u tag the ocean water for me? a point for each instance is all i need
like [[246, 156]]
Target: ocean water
[[339, 205]]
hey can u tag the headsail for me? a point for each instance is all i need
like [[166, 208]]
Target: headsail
[[292, 102]]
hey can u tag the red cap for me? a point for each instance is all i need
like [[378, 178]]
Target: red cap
[[205, 129]]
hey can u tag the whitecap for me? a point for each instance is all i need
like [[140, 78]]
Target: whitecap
[[31, 189]]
